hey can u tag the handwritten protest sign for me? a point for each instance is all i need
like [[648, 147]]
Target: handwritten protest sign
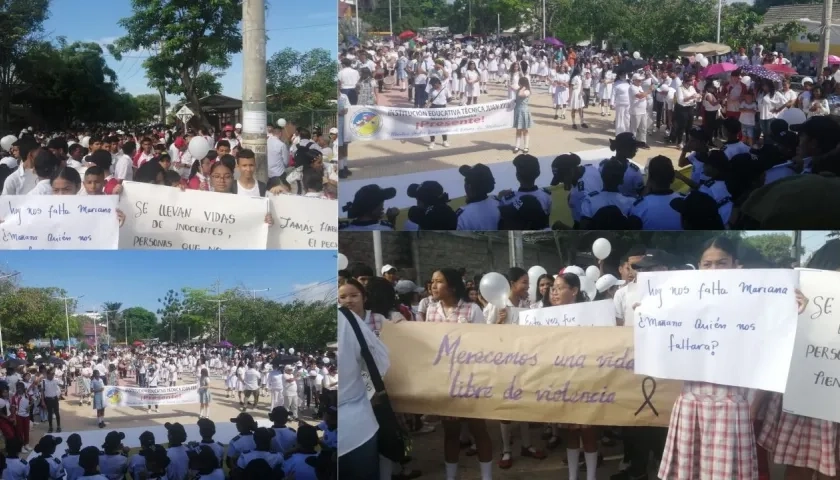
[[520, 373], [303, 223], [59, 222], [732, 327], [814, 377], [584, 314], [164, 218]]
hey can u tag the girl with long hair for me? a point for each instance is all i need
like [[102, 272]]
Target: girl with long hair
[[522, 114]]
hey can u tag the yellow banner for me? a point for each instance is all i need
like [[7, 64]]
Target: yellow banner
[[580, 375]]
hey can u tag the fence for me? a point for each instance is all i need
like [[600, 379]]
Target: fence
[[326, 119]]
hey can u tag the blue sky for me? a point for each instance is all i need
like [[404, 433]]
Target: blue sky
[[299, 25], [139, 278]]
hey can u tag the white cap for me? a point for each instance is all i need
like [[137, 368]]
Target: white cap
[[638, 77], [774, 53], [281, 123], [608, 281], [238, 125], [299, 364], [333, 131], [387, 268], [807, 80], [7, 141], [407, 286]]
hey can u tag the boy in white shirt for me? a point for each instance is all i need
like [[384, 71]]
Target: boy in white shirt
[[748, 109]]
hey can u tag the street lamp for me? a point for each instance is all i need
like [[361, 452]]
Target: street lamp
[[4, 277]]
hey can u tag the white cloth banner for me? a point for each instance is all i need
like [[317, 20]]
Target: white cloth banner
[[116, 396], [731, 327], [303, 223], [584, 314], [371, 122], [161, 218], [59, 222], [814, 377]]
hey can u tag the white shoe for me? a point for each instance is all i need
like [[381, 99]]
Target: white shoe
[[431, 145], [445, 144]]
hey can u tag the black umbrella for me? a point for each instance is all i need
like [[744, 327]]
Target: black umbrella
[[56, 361], [285, 360], [14, 363]]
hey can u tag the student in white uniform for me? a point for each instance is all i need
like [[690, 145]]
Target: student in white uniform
[[262, 450], [655, 211], [179, 462], [137, 463], [621, 102], [481, 212], [527, 172], [207, 428], [612, 175], [244, 442], [579, 180], [275, 386], [290, 391], [560, 90], [284, 437], [605, 89]]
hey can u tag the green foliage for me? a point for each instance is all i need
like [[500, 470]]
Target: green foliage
[[29, 313], [148, 105], [141, 324], [21, 24], [304, 81], [775, 247]]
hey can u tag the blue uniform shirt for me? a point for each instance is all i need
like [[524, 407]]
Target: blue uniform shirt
[[589, 182], [656, 213], [595, 201], [778, 172], [717, 190], [543, 195], [70, 463], [284, 440], [482, 215], [633, 182], [696, 169], [297, 464]]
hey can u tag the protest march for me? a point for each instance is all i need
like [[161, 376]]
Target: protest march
[[583, 137], [707, 364]]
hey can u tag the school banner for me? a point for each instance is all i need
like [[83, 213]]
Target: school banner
[[520, 373], [303, 223], [371, 122], [732, 327], [59, 222], [116, 396], [814, 377], [165, 218], [584, 314]]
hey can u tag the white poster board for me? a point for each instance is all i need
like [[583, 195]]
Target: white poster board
[[59, 222], [584, 314], [731, 327], [814, 377], [165, 218], [303, 223]]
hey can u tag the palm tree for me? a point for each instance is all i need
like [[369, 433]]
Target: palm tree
[[111, 311]]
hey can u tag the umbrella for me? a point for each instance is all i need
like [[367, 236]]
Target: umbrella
[[553, 41], [761, 72], [833, 60], [717, 69], [138, 343], [783, 69], [225, 344], [406, 35], [706, 48], [629, 66], [14, 363], [284, 360], [56, 361]]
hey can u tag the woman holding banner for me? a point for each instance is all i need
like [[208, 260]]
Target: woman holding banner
[[804, 445], [711, 434]]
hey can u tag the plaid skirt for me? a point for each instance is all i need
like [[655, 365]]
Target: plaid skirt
[[799, 441], [710, 436]]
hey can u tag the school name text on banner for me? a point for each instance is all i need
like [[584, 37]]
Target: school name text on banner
[[731, 327], [116, 396], [813, 383], [519, 373], [303, 223], [165, 218], [583, 314], [371, 122], [53, 222]]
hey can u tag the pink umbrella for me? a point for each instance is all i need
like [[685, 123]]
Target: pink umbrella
[[833, 60], [717, 69]]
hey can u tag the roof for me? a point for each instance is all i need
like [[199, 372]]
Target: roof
[[219, 103], [792, 13]]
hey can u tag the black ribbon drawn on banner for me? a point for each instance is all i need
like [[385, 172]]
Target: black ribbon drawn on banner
[[648, 396]]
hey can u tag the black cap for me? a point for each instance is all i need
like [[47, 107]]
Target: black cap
[[89, 458], [525, 212], [74, 440], [820, 127], [654, 258], [429, 192], [715, 158], [479, 176], [435, 217], [699, 133], [176, 430], [368, 198], [777, 126], [47, 443], [263, 435], [147, 439], [113, 439], [699, 211], [625, 140], [244, 419], [561, 165], [527, 166], [206, 425], [279, 414]]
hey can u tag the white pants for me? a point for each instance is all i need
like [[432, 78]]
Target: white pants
[[292, 403], [622, 119], [638, 126], [277, 398]]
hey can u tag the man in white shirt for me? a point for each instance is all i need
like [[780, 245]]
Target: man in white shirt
[[275, 386], [251, 382], [348, 78], [741, 59], [621, 100], [52, 392], [638, 109], [277, 153], [23, 180]]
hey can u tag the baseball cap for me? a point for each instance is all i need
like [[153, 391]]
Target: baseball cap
[[407, 286], [176, 429], [608, 281], [429, 192], [387, 268], [242, 419], [561, 165], [625, 140], [699, 211], [527, 166], [654, 258], [478, 175], [333, 131], [367, 198], [434, 217]]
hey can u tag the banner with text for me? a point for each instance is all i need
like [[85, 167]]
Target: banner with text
[[520, 373], [59, 222], [732, 327], [303, 223], [814, 377], [161, 218], [371, 122], [583, 314], [116, 396]]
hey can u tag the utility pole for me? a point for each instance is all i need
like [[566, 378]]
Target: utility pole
[[108, 325], [219, 302], [254, 116], [390, 18], [797, 246], [470, 17], [2, 350], [720, 7], [825, 33], [67, 317], [399, 9], [254, 297]]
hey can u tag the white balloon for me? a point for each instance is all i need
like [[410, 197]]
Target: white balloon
[[536, 271], [793, 116], [576, 270], [198, 147], [601, 248], [699, 57], [85, 142], [593, 273], [588, 287], [291, 351], [6, 142], [494, 287], [326, 361], [704, 62], [342, 261], [636, 55], [534, 274]]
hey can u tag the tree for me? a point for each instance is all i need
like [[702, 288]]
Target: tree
[[777, 248], [304, 81], [148, 105], [141, 324], [32, 313], [172, 307], [192, 43], [111, 312], [21, 22]]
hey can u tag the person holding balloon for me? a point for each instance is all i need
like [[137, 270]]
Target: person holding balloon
[[503, 293]]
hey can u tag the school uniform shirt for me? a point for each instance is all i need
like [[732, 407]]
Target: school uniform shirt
[[122, 167], [20, 182], [251, 379], [21, 404], [52, 388], [70, 464], [217, 448], [589, 182], [348, 78], [241, 444], [42, 187], [621, 94], [717, 190], [179, 462], [633, 182], [113, 466], [481, 215], [284, 440], [437, 97], [778, 172], [656, 213], [136, 464], [16, 469], [595, 201], [297, 464], [273, 459], [697, 175], [217, 474], [638, 106], [543, 195], [735, 148]]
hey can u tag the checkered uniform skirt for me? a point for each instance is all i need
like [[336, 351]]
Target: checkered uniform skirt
[[710, 436], [799, 441]]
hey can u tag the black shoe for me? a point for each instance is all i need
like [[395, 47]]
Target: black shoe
[[342, 174], [584, 125], [58, 430]]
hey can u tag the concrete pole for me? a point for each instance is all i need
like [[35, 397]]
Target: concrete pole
[[377, 250], [162, 94], [720, 8], [254, 116], [516, 249], [825, 34]]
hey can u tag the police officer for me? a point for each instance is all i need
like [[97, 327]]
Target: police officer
[[695, 148], [262, 439], [16, 467], [577, 180], [113, 461], [46, 447], [527, 172], [137, 463], [207, 428], [432, 211], [366, 210], [481, 212], [716, 167], [284, 437], [70, 460], [612, 174], [625, 147], [244, 442], [654, 210]]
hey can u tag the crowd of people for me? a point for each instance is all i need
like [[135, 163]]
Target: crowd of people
[[751, 424]]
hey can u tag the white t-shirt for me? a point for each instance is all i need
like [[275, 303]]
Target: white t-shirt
[[638, 106], [348, 78], [248, 192], [748, 118], [251, 379]]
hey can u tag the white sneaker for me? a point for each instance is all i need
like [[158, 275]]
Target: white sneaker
[[431, 145], [445, 144]]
